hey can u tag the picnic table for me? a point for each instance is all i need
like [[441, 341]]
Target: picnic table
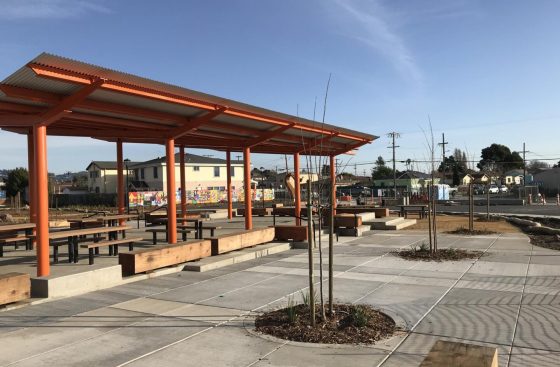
[[11, 234], [74, 235], [420, 209]]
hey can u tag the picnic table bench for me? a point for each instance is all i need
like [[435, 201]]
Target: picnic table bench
[[155, 231], [420, 209], [11, 234]]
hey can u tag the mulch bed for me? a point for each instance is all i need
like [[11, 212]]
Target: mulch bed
[[351, 324], [474, 232], [446, 254]]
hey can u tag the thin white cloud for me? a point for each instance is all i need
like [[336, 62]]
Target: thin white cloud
[[48, 9], [371, 23]]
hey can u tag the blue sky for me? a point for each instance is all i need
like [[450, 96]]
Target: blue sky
[[483, 71]]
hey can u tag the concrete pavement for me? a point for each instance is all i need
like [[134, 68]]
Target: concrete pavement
[[508, 299]]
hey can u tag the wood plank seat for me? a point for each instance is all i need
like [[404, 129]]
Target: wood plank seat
[[347, 221], [257, 212], [290, 232], [238, 240], [14, 287], [112, 243], [15, 240], [155, 231], [205, 227], [145, 260]]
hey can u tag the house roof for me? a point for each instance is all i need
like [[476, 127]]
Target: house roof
[[514, 172], [415, 174], [73, 98]]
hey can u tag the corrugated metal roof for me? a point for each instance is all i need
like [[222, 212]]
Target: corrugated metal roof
[[173, 113]]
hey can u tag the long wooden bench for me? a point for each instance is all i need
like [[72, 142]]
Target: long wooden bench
[[238, 240], [140, 261], [155, 231], [14, 239], [347, 221], [290, 232], [260, 212], [14, 287], [93, 248]]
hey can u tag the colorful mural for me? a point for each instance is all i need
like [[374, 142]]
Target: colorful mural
[[201, 196]]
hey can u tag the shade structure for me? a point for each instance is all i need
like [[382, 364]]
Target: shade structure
[[63, 97], [73, 98]]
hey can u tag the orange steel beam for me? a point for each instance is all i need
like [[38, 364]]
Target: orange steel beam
[[21, 108], [297, 192], [42, 199], [247, 185], [32, 181], [183, 181], [228, 185], [171, 202], [62, 108], [194, 123], [120, 179], [268, 135], [317, 142], [73, 77]]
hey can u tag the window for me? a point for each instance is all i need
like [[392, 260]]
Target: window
[[136, 174], [155, 172], [232, 171], [142, 173], [217, 171], [196, 168]]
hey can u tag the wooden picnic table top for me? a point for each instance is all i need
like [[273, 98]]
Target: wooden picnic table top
[[84, 220], [414, 206], [16, 227], [86, 231]]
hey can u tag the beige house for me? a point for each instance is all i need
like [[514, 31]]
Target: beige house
[[477, 177], [102, 177], [201, 173]]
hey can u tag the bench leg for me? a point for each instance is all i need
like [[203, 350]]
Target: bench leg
[[55, 254], [212, 232], [16, 246], [1, 250], [110, 250], [97, 250], [70, 250], [91, 252], [154, 239], [130, 246], [184, 236], [115, 250], [76, 244]]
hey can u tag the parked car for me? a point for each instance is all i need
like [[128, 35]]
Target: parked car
[[493, 189], [478, 190], [503, 188]]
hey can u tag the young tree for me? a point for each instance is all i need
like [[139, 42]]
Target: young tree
[[381, 171], [17, 181]]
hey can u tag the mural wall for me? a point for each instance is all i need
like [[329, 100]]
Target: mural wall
[[201, 196]]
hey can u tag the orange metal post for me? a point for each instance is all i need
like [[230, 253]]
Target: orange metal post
[[120, 179], [297, 193], [171, 202], [333, 181], [41, 199], [183, 182], [248, 192], [229, 196], [31, 168]]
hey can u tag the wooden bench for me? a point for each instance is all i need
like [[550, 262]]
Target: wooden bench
[[56, 243], [238, 240], [421, 210], [212, 229], [290, 232], [347, 221], [14, 287], [145, 260], [94, 246], [15, 239], [260, 212], [155, 231]]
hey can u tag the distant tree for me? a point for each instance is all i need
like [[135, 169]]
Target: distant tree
[[381, 171], [79, 180], [536, 165], [557, 165], [498, 158], [17, 181], [460, 159], [457, 169]]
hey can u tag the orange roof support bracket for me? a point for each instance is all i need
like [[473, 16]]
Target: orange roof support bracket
[[196, 122], [63, 108], [268, 135]]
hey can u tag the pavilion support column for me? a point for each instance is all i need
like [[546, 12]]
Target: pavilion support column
[[228, 185], [171, 202], [332, 164], [120, 180], [183, 182], [297, 190], [41, 199], [32, 190], [247, 189]]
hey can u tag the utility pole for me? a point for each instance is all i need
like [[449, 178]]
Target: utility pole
[[443, 144], [355, 170], [393, 135]]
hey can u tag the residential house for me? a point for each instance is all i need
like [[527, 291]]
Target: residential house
[[476, 177], [515, 177], [200, 173], [413, 182]]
